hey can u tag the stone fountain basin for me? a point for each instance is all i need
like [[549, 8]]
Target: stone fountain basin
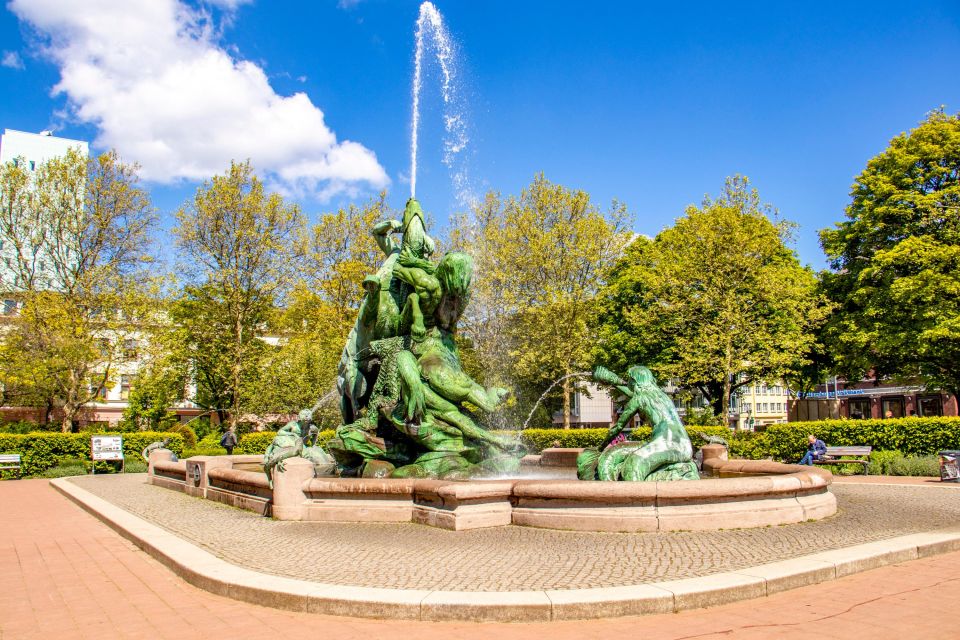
[[740, 494]]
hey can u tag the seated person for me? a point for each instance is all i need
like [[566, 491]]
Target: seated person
[[816, 450]]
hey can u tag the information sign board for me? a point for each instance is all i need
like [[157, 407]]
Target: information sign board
[[106, 448]]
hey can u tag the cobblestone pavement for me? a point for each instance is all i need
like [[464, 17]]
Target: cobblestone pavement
[[65, 575], [412, 556]]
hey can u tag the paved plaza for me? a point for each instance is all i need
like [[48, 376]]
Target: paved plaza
[[410, 556], [65, 575]]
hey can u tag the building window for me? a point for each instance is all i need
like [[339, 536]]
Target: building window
[[930, 406], [33, 166], [892, 405], [747, 407], [124, 387], [860, 409], [9, 307], [98, 394], [130, 353]]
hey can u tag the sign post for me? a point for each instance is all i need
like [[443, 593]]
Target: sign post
[[106, 448]]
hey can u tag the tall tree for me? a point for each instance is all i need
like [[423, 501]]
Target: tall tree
[[895, 261], [717, 301], [242, 247], [539, 257], [314, 323], [76, 235]]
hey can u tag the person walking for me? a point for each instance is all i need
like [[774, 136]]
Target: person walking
[[816, 449], [229, 440]]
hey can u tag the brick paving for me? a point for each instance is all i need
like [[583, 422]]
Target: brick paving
[[410, 556], [64, 575]]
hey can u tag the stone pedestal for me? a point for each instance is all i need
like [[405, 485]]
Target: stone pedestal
[[463, 505], [197, 469], [288, 485]]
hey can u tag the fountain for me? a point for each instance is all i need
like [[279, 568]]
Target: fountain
[[411, 448]]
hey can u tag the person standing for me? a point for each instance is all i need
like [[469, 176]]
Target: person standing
[[816, 449], [229, 440]]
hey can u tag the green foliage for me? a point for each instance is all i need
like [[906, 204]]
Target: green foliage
[[537, 440], [242, 246], [77, 230], [26, 426], [894, 463], [540, 258], [716, 295], [41, 451], [895, 261], [702, 418], [189, 437]]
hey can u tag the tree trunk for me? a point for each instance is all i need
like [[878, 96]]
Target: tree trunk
[[566, 403], [69, 411], [725, 401]]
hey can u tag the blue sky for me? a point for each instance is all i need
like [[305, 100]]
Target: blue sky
[[651, 103]]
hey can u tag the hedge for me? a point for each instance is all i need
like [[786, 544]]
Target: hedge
[[40, 451], [910, 436]]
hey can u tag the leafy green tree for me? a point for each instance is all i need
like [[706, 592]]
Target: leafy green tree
[[895, 261], [316, 319], [716, 301], [539, 258], [243, 247], [76, 238]]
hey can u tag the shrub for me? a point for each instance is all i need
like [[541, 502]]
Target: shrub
[[910, 436], [43, 450], [189, 437], [26, 426]]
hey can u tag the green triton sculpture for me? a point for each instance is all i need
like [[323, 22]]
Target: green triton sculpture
[[667, 456], [404, 393], [298, 438]]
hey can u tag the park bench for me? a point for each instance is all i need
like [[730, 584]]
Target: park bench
[[10, 461], [847, 455]]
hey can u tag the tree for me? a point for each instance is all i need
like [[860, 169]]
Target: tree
[[895, 261], [716, 301], [76, 235], [314, 323], [243, 248], [539, 259]]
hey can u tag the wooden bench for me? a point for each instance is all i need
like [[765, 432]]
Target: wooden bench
[[10, 461], [847, 455]]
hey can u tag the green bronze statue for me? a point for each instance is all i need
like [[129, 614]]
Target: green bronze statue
[[404, 393], [667, 456], [298, 439]]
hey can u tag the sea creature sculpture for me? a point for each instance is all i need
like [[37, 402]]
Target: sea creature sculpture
[[667, 456]]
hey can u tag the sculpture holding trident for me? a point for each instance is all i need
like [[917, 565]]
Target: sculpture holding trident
[[667, 456]]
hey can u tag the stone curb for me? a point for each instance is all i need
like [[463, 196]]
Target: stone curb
[[204, 570]]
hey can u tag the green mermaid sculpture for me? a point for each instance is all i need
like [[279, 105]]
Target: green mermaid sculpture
[[667, 456]]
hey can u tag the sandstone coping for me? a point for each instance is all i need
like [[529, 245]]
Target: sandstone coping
[[559, 457], [204, 570], [742, 493]]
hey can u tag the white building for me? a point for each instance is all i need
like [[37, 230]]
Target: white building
[[36, 148]]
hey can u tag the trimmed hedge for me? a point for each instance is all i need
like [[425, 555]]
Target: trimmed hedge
[[910, 436], [44, 450]]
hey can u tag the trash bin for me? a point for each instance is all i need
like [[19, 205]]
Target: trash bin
[[949, 469]]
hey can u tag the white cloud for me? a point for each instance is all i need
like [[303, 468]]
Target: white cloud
[[162, 91], [347, 4], [11, 60]]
